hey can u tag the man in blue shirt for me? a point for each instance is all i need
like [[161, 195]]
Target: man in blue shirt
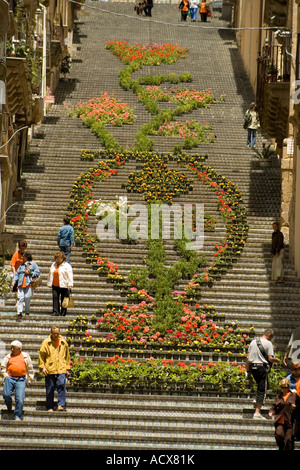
[[65, 238]]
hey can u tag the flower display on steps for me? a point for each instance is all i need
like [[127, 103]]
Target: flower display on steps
[[156, 182], [149, 54], [159, 314], [105, 110], [119, 374], [82, 206]]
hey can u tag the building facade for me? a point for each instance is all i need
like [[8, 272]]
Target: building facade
[[35, 40], [268, 36]]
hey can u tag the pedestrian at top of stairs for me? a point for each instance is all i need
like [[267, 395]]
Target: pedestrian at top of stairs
[[204, 11], [282, 412], [259, 359], [65, 238], [60, 280], [22, 280], [17, 370], [193, 9], [148, 7], [54, 363], [184, 6]]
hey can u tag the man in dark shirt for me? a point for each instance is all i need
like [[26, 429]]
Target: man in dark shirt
[[277, 253]]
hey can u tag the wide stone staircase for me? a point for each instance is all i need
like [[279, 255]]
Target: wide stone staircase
[[152, 420]]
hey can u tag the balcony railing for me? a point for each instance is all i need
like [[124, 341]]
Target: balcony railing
[[274, 64]]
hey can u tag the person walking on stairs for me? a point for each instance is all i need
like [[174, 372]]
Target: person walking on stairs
[[17, 370], [65, 238], [193, 9], [277, 250], [54, 363], [60, 279], [23, 279], [294, 379], [203, 11], [17, 260], [282, 412], [184, 8], [252, 124], [148, 7], [259, 360]]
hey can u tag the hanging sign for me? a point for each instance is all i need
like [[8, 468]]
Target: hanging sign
[[290, 146], [49, 99]]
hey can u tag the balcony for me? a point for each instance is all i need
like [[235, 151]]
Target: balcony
[[19, 97], [274, 64], [273, 89]]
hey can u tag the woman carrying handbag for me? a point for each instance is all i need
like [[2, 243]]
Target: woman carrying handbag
[[60, 279]]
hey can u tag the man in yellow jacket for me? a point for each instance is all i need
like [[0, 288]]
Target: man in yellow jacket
[[54, 362]]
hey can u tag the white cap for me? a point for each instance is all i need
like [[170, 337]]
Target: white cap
[[17, 344]]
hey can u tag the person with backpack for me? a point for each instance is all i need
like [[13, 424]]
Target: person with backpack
[[252, 124], [259, 360]]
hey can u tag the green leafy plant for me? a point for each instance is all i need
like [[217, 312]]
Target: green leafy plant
[[5, 282], [266, 153]]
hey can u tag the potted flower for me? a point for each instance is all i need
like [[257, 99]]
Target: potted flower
[[265, 155], [272, 72]]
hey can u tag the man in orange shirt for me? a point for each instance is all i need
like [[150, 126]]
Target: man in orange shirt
[[17, 370]]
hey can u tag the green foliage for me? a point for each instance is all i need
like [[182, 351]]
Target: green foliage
[[5, 282], [164, 374]]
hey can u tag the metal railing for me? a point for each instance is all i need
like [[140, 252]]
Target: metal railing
[[273, 65]]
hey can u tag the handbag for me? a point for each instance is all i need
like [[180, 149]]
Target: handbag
[[15, 287], [68, 302], [36, 281]]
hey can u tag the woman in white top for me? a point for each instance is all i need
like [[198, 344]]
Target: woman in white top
[[252, 125], [60, 279]]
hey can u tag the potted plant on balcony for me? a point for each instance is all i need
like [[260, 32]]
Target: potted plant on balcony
[[272, 72]]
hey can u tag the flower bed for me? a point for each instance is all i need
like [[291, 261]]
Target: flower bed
[[134, 324], [164, 374], [156, 182], [155, 315], [106, 110], [155, 54], [185, 130], [156, 376]]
